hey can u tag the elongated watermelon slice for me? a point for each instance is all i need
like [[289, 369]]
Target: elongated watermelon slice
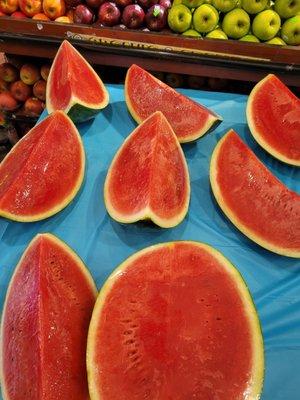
[[43, 172], [255, 201], [74, 87], [175, 321], [273, 114], [45, 322], [148, 177], [146, 94]]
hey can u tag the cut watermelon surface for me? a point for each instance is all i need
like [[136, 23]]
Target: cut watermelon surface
[[175, 321]]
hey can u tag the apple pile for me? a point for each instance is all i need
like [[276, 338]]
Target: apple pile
[[133, 14], [274, 22], [23, 89]]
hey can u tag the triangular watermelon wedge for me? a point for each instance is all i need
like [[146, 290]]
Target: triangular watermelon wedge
[[146, 94], [74, 87]]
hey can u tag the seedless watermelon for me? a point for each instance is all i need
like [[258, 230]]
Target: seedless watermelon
[[45, 322], [148, 177], [273, 114], [73, 86], [253, 199], [146, 94], [43, 172], [175, 321]]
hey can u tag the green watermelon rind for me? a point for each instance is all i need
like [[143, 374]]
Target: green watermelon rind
[[230, 213], [67, 200], [79, 263], [78, 110], [212, 122], [255, 132], [147, 213], [258, 370]]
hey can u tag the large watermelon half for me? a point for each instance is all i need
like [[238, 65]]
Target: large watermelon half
[[175, 322], [148, 177], [253, 199], [146, 94], [45, 322], [73, 86], [43, 172], [273, 114]]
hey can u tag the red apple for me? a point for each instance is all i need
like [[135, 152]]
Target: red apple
[[30, 7], [3, 85], [33, 107], [39, 90], [83, 15], [40, 17], [8, 6], [165, 4], [123, 3], [133, 16], [20, 91], [8, 72], [18, 15], [156, 18], [95, 3], [147, 3], [45, 69], [7, 102], [30, 74], [54, 8], [109, 14], [2, 14]]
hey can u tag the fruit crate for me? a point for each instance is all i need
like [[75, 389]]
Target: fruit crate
[[162, 51]]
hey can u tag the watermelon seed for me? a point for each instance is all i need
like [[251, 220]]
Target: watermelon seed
[[130, 341]]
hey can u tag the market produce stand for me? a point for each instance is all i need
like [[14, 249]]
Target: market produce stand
[[162, 51]]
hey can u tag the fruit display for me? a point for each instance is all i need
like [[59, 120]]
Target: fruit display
[[275, 125], [46, 313], [254, 200], [145, 94], [43, 172], [74, 87], [151, 151], [180, 330], [274, 22], [23, 90]]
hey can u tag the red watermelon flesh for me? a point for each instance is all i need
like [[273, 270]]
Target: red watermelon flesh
[[273, 114], [148, 177], [72, 82], [253, 199], [175, 321], [145, 94], [44, 324], [43, 172]]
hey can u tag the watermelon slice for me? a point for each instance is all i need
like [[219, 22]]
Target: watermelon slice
[[146, 94], [74, 87], [253, 199], [273, 114], [175, 321], [148, 177], [45, 323], [43, 172]]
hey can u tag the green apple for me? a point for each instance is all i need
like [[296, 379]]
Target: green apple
[[192, 3], [236, 23], [224, 5], [249, 38], [276, 40], [266, 25], [176, 2], [287, 8], [179, 18], [290, 31], [217, 34], [192, 32], [205, 18], [254, 6]]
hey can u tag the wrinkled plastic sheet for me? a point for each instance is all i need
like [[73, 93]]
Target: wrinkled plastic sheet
[[102, 243]]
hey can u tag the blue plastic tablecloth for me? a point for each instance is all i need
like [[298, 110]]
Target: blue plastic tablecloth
[[102, 243]]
